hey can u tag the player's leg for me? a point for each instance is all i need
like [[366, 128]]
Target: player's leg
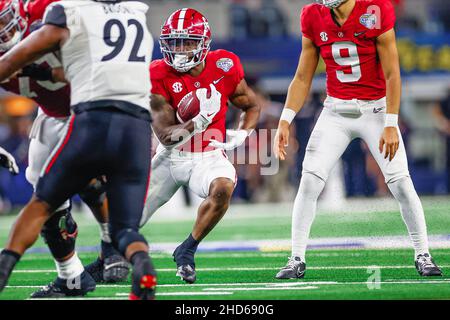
[[60, 231], [397, 177], [162, 185], [128, 178], [110, 266], [213, 178], [326, 145], [61, 177]]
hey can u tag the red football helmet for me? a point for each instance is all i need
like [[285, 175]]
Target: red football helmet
[[12, 24], [185, 39]]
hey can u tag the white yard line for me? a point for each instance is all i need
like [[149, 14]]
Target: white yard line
[[264, 288], [186, 293], [255, 268], [285, 286]]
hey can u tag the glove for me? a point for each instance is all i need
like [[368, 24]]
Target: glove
[[37, 72], [235, 138], [208, 108], [8, 161]]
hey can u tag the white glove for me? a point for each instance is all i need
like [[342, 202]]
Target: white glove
[[8, 161], [208, 108], [235, 138]]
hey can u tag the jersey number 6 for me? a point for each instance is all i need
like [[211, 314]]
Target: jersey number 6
[[119, 42], [349, 60]]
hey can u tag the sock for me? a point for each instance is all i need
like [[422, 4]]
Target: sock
[[108, 250], [141, 260], [8, 260], [13, 254], [70, 268], [104, 232], [412, 213], [190, 244], [304, 212]]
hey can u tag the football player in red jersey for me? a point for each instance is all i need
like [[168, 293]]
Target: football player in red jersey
[[198, 161], [17, 20], [356, 39]]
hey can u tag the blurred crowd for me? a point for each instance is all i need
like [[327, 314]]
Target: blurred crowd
[[360, 174], [271, 19], [16, 119], [358, 171]]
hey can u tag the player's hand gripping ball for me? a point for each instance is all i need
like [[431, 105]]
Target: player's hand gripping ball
[[203, 103], [188, 107]]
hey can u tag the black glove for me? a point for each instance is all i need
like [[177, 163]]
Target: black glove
[[37, 72]]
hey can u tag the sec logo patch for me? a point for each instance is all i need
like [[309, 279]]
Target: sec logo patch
[[177, 87], [225, 64]]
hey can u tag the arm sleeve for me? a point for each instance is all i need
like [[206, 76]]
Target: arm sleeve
[[305, 25], [36, 9], [55, 15], [158, 87], [387, 17], [239, 73]]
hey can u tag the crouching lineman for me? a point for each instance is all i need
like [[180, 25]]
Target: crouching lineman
[[36, 81], [199, 163], [110, 124], [356, 40]]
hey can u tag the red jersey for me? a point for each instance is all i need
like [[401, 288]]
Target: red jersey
[[222, 68], [349, 51], [53, 98]]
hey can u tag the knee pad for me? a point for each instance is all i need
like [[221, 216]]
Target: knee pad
[[311, 186], [94, 194], [59, 233], [32, 177], [123, 238]]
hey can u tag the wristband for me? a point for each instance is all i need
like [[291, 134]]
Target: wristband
[[391, 120], [288, 115]]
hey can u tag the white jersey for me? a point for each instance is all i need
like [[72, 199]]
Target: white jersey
[[108, 54]]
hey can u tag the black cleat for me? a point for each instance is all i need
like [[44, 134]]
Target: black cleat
[[185, 264], [294, 269], [112, 269], [143, 280], [186, 273], [95, 269], [115, 269], [61, 288], [426, 267]]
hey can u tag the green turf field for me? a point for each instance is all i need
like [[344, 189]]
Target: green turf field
[[344, 273]]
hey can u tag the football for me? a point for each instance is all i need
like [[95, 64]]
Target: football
[[188, 107]]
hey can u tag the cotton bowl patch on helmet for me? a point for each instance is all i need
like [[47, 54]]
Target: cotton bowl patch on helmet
[[12, 24], [185, 39], [225, 64]]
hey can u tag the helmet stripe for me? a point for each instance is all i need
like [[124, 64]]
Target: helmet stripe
[[181, 19]]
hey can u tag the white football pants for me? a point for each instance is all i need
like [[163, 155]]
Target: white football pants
[[339, 123]]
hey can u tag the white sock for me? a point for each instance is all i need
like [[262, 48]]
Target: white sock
[[304, 212], [71, 268], [104, 232], [412, 213]]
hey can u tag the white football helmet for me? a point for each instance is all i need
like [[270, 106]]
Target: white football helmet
[[331, 3], [12, 24]]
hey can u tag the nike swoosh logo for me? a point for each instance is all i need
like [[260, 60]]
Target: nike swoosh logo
[[209, 114], [218, 80], [376, 110], [357, 34]]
